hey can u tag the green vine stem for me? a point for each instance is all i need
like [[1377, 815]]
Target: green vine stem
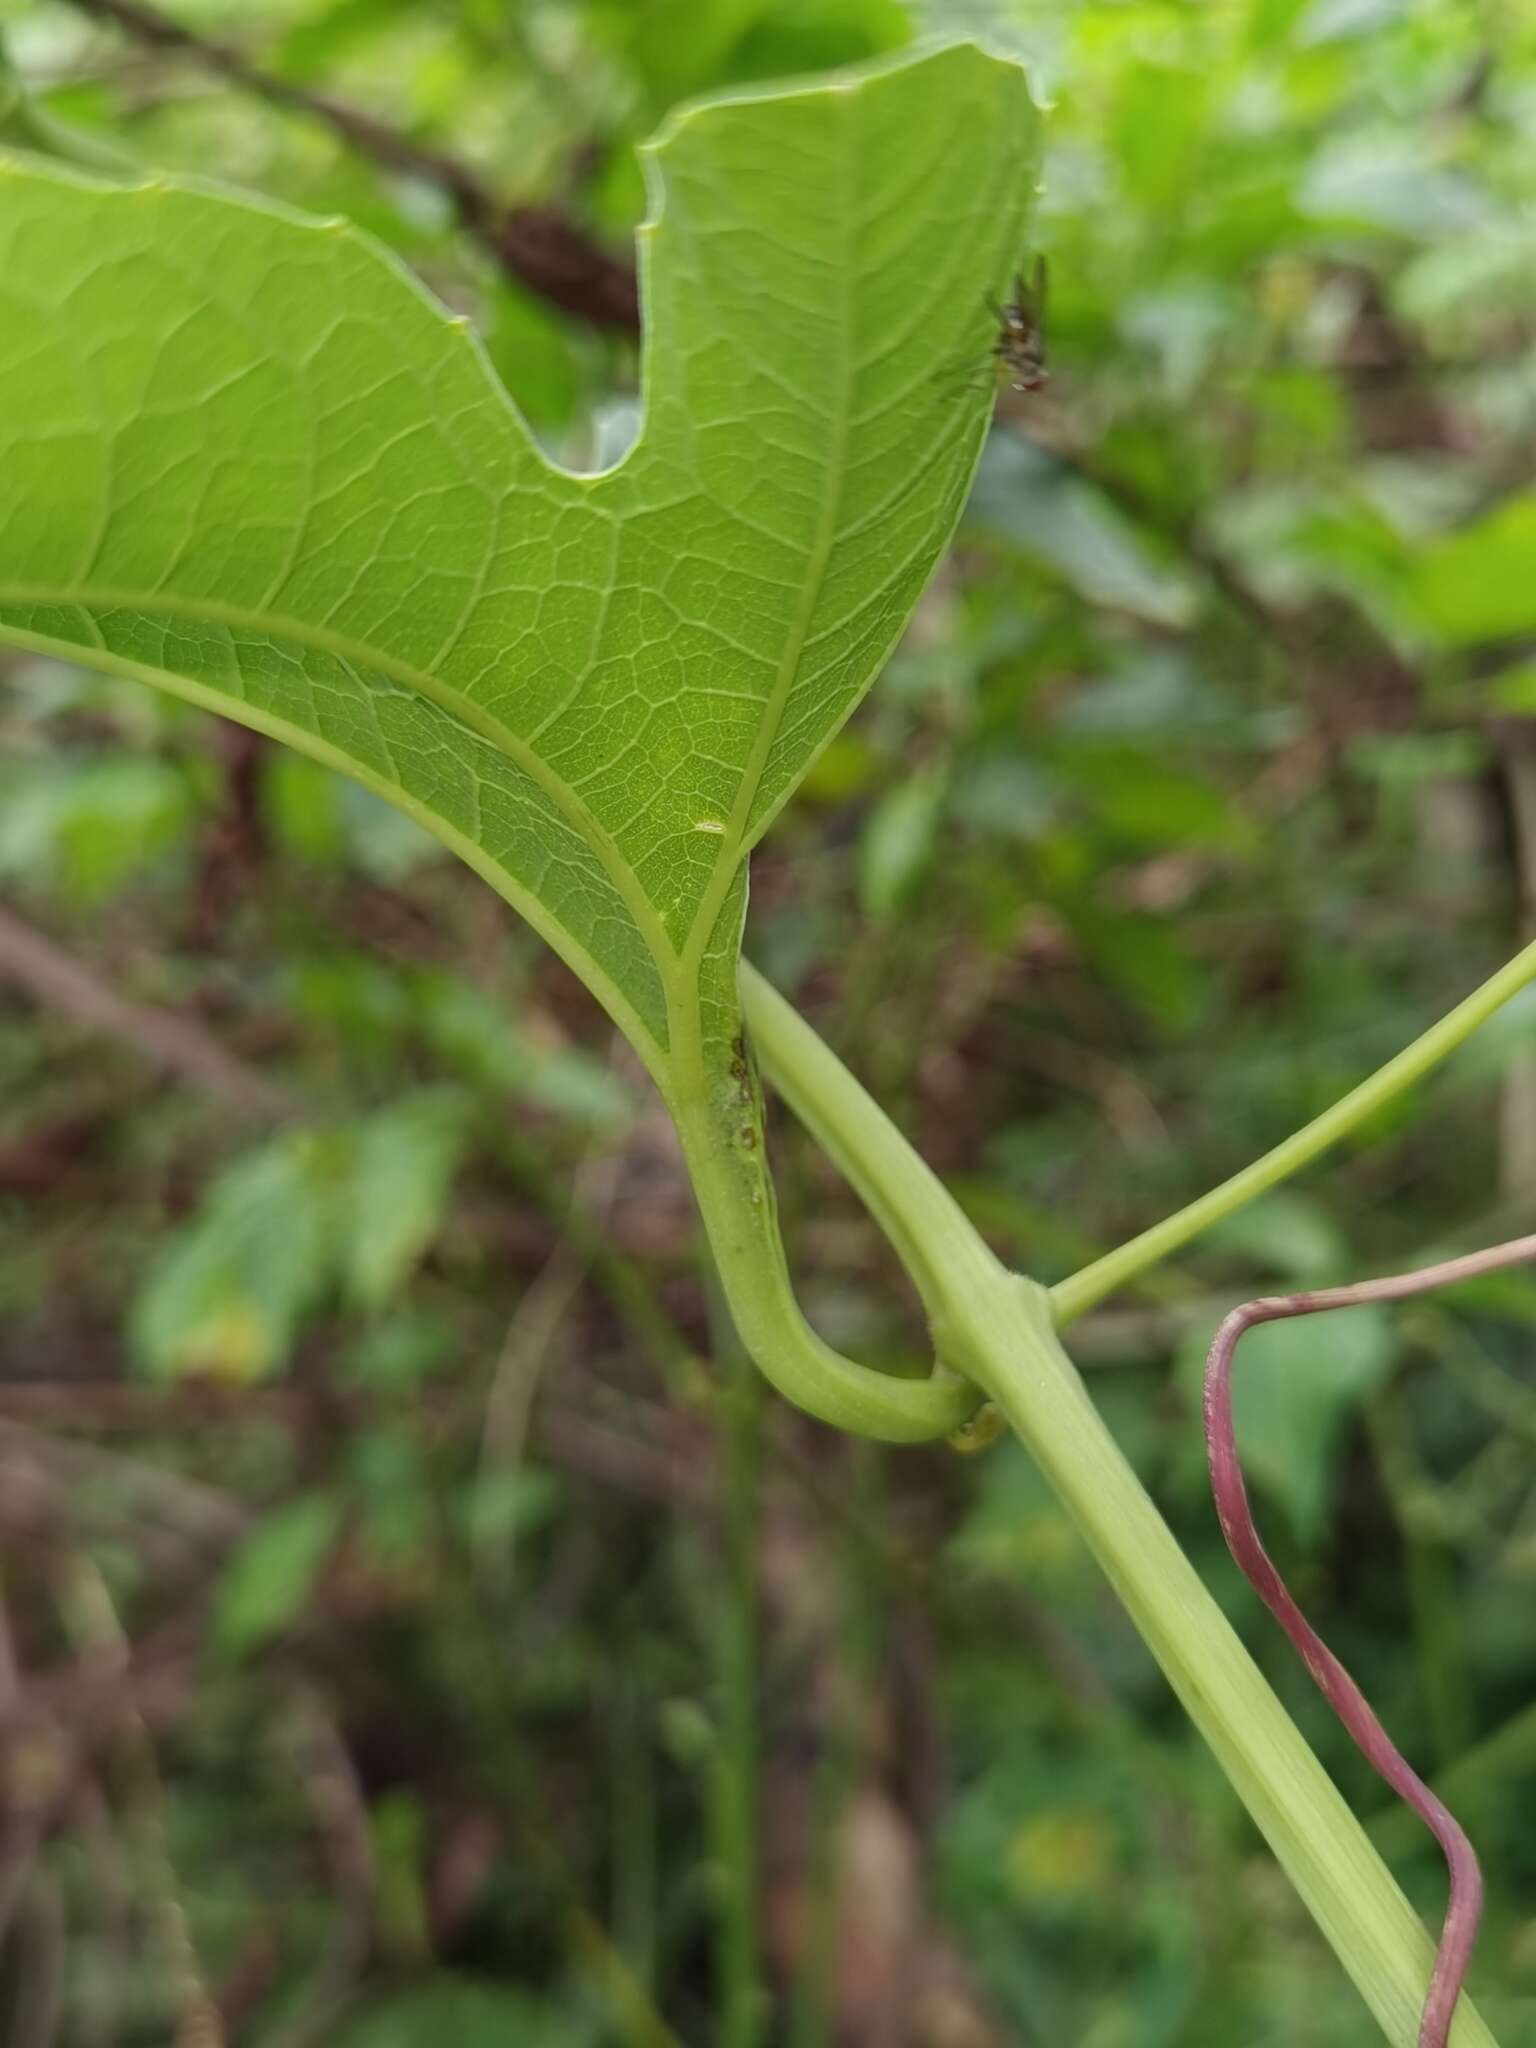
[[1129, 1261], [998, 1330]]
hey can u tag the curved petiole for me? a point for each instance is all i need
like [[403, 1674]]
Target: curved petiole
[[1465, 1904]]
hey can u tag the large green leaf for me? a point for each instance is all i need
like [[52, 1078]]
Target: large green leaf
[[246, 458]]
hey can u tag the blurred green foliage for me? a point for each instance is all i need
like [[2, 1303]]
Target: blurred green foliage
[[1205, 778]]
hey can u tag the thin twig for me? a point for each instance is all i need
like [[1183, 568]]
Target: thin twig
[[340, 1810], [655, 1455], [32, 1799], [39, 2002], [100, 1996], [526, 1347], [1515, 753], [1464, 1908], [90, 1617], [202, 1517], [87, 1703], [538, 246], [55, 977]]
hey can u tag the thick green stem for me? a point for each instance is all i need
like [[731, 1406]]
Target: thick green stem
[[1089, 1287], [997, 1329], [1011, 1347]]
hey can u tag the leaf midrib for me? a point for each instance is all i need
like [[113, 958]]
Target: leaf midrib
[[733, 845], [361, 655]]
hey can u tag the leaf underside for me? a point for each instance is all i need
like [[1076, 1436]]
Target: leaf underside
[[249, 460]]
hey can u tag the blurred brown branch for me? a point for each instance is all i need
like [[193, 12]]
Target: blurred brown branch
[[538, 246], [640, 1450], [55, 977]]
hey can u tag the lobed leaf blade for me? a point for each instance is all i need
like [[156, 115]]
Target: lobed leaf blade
[[250, 460]]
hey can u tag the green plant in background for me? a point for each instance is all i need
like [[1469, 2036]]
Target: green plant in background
[[249, 462]]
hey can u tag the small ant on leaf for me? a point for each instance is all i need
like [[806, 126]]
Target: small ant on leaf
[[1020, 345]]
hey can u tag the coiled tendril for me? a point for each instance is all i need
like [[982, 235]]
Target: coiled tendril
[[1465, 1904]]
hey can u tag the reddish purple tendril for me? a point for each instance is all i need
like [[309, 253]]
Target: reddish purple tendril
[[1465, 1905]]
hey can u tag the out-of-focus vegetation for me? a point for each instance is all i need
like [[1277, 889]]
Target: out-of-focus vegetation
[[378, 1601]]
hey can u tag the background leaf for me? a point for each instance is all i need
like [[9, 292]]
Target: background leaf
[[898, 841], [225, 1299], [403, 1165], [1478, 584], [269, 1580]]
